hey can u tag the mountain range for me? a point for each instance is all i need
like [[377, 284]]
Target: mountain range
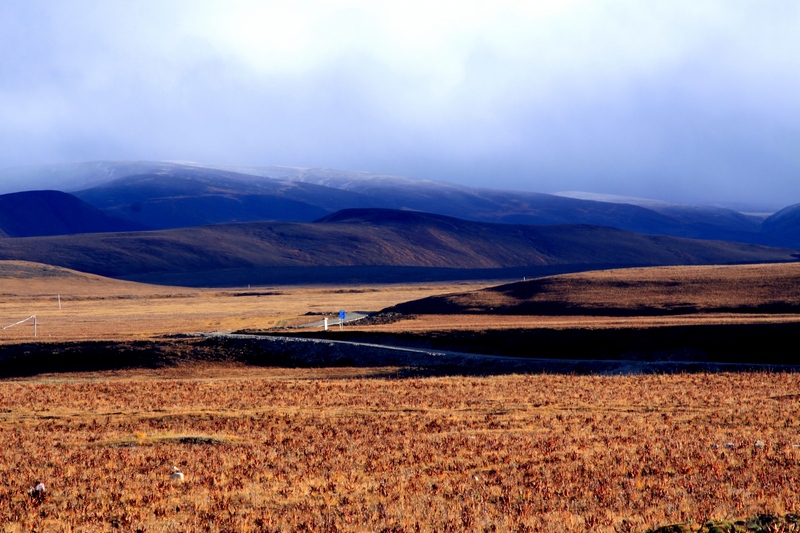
[[163, 195], [189, 224]]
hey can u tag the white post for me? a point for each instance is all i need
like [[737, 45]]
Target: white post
[[59, 302], [325, 323], [34, 325]]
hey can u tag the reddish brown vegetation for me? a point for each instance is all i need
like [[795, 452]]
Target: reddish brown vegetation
[[270, 450]]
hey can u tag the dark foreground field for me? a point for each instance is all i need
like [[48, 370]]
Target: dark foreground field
[[670, 349], [730, 343], [348, 450]]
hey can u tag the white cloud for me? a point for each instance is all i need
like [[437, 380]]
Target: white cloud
[[607, 92]]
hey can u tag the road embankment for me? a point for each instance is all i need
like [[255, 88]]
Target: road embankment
[[644, 351], [742, 343]]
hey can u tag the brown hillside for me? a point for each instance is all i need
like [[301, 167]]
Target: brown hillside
[[382, 238], [23, 278], [635, 291]]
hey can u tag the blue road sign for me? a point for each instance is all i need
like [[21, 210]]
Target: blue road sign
[[342, 315]]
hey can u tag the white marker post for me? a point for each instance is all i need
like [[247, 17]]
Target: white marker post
[[325, 323], [59, 302], [32, 317]]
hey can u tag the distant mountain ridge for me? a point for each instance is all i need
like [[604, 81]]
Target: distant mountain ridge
[[277, 190], [165, 195], [517, 207], [184, 198]]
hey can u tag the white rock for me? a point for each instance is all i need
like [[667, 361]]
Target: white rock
[[176, 475], [38, 491]]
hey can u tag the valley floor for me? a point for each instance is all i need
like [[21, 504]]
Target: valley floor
[[72, 311], [74, 306], [128, 311]]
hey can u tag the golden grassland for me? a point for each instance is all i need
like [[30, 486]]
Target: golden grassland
[[703, 287], [360, 449], [632, 292], [97, 308], [351, 450]]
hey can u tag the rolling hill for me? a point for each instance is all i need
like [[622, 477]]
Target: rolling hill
[[631, 292], [374, 238], [43, 213], [23, 278]]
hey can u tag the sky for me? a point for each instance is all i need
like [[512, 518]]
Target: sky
[[680, 100]]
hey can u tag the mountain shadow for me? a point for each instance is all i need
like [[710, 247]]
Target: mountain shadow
[[47, 213]]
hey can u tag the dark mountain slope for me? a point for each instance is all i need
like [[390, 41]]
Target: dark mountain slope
[[41, 213], [688, 220], [490, 205], [559, 243], [194, 197], [783, 226], [373, 238], [517, 207], [701, 222]]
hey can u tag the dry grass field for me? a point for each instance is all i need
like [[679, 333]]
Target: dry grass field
[[327, 450], [345, 450], [633, 292], [98, 308], [93, 307]]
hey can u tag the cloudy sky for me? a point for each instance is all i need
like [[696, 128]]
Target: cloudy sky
[[688, 100]]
